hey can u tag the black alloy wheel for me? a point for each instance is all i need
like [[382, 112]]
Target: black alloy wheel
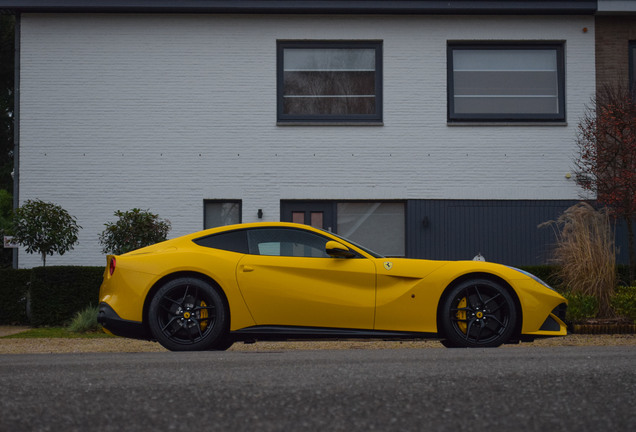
[[478, 313], [188, 314]]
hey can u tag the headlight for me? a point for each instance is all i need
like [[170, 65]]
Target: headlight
[[536, 279]]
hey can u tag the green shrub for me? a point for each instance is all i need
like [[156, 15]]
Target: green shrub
[[134, 229], [13, 294], [58, 292], [624, 302], [85, 321], [580, 306]]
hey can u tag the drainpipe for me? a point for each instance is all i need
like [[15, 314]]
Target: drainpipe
[[16, 127]]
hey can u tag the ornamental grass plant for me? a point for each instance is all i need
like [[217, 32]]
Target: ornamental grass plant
[[586, 255], [85, 321]]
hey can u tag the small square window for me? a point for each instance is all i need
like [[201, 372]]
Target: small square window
[[329, 81], [221, 213], [506, 82]]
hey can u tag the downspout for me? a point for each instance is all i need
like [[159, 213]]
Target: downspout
[[16, 126]]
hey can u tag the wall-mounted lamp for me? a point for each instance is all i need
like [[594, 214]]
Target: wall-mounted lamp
[[568, 175], [259, 213]]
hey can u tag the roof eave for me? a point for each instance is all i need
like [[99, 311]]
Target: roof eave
[[496, 7]]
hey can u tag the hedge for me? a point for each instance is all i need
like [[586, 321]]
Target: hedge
[[13, 295], [56, 293]]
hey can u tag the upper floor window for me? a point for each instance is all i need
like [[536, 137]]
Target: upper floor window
[[321, 81], [506, 82]]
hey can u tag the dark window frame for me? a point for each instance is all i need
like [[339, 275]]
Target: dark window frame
[[557, 46], [631, 67], [233, 201], [376, 118]]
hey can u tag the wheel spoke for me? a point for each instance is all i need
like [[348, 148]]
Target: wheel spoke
[[494, 318], [480, 329], [172, 320], [199, 328], [470, 326], [167, 308], [491, 299], [469, 304], [185, 294], [481, 300]]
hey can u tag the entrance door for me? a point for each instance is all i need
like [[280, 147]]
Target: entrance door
[[318, 214]]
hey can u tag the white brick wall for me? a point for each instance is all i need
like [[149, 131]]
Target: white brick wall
[[164, 111]]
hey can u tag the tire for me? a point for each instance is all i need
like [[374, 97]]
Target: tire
[[222, 344], [478, 313], [188, 314]]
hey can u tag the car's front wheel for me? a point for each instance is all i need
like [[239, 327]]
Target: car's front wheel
[[188, 314], [478, 313]]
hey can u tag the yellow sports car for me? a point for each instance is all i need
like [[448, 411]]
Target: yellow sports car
[[248, 282]]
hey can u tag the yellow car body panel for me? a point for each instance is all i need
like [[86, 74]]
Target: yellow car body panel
[[365, 292], [310, 292], [138, 272], [409, 291]]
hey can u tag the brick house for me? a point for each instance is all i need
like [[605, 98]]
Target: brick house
[[419, 128]]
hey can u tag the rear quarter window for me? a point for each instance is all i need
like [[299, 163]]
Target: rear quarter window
[[233, 241]]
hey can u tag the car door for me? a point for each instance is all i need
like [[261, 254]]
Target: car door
[[289, 280]]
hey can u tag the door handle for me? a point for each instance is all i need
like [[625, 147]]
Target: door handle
[[248, 268]]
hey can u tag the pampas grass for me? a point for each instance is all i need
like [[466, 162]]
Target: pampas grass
[[586, 254]]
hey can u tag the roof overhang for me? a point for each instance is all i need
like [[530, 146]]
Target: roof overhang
[[499, 7]]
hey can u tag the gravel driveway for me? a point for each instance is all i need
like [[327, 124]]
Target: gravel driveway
[[115, 344]]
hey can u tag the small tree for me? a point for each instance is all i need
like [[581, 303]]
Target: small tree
[[606, 160], [133, 230], [44, 228]]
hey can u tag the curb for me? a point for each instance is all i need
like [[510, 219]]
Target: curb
[[604, 328]]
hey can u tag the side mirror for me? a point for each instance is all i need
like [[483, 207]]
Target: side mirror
[[338, 250]]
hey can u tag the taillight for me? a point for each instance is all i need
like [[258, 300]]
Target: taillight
[[112, 265]]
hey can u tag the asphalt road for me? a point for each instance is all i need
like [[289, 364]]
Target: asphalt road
[[536, 389]]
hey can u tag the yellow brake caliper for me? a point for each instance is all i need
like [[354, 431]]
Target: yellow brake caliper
[[203, 314], [461, 315]]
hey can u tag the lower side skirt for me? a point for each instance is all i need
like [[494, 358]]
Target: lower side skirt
[[283, 333]]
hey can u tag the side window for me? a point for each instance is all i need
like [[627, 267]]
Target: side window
[[286, 242], [233, 241], [506, 82]]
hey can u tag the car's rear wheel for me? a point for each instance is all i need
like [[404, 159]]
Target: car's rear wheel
[[188, 314], [478, 313]]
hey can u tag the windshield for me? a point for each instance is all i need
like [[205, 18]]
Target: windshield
[[369, 251]]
